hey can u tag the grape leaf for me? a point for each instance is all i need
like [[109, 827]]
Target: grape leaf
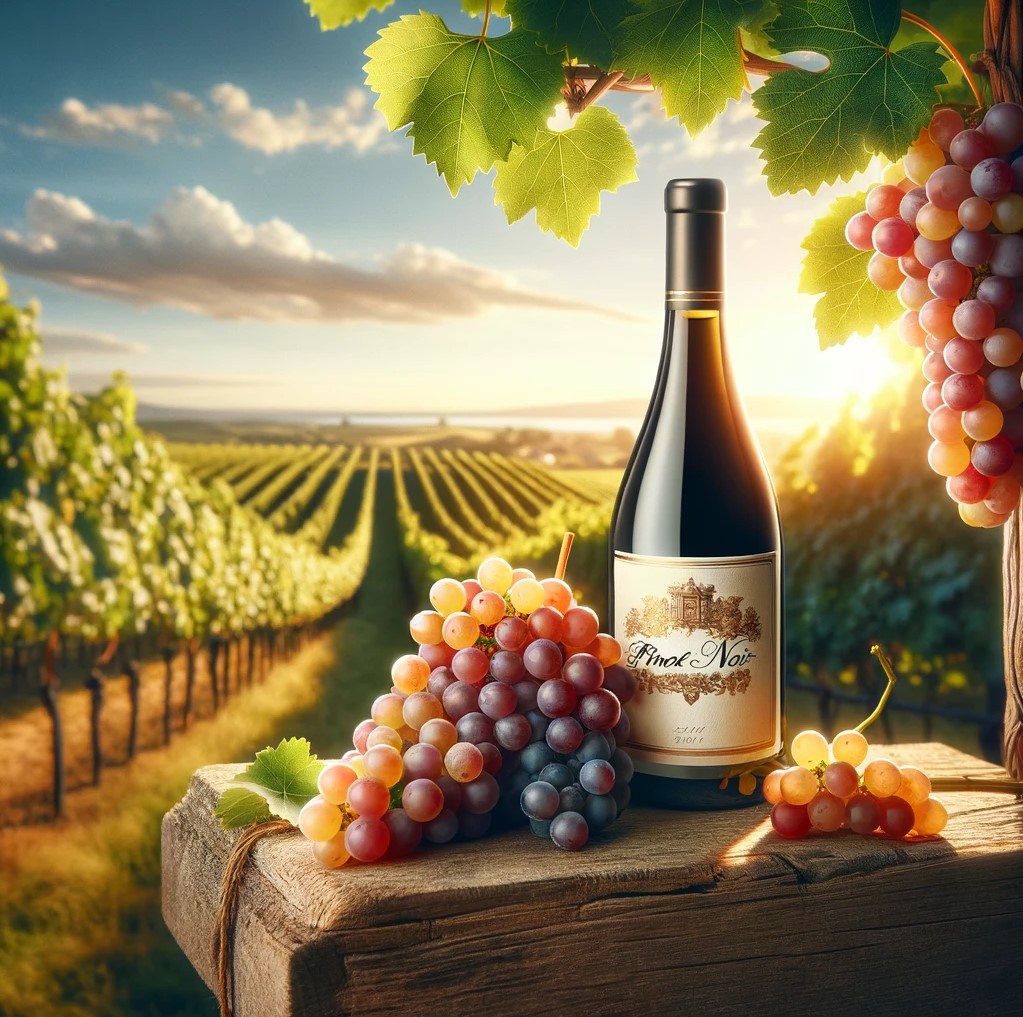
[[690, 49], [335, 13], [562, 173], [238, 806], [872, 98], [284, 777], [467, 98], [475, 7], [582, 27], [850, 302]]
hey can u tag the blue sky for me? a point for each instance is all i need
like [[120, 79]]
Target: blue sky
[[170, 133]]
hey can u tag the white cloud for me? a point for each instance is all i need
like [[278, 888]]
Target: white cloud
[[353, 123], [75, 341], [198, 254], [106, 123]]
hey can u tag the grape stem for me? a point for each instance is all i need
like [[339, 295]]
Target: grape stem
[[566, 550], [915, 19], [486, 21], [886, 664]]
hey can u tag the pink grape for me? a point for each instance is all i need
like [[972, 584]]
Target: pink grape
[[862, 814], [914, 293], [366, 840], [440, 678], [935, 368], [912, 202], [970, 147], [961, 391], [998, 291], [1004, 495], [1003, 126], [543, 659], [464, 762], [892, 237], [581, 626], [826, 812], [912, 267], [945, 424], [936, 317], [910, 331], [884, 273], [963, 356], [369, 797], [422, 800], [994, 457], [972, 249], [361, 734], [507, 666], [423, 761], [511, 633], [948, 187], [790, 821], [991, 178], [975, 214], [439, 655], [470, 665], [546, 623], [858, 231], [950, 280], [896, 816], [460, 699], [945, 125], [841, 779], [930, 252], [968, 487], [935, 345], [883, 201], [931, 397]]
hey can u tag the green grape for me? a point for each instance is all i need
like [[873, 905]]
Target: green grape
[[809, 749], [849, 747]]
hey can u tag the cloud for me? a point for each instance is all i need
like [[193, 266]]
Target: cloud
[[107, 124], [198, 254], [73, 341], [93, 381], [729, 133], [353, 123]]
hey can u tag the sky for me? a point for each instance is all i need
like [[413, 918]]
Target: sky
[[202, 194]]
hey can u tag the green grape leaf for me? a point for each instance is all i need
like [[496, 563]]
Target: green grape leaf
[[690, 49], [562, 173], [582, 27], [284, 777], [335, 13], [238, 807], [850, 302], [477, 7], [466, 98], [872, 98]]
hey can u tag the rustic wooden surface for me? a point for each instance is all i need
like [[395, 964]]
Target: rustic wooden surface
[[669, 912]]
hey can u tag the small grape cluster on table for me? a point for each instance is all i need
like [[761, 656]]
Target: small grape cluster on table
[[945, 231], [510, 710]]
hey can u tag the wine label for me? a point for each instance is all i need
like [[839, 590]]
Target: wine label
[[702, 636]]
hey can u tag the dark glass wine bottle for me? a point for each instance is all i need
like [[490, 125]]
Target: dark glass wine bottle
[[695, 548]]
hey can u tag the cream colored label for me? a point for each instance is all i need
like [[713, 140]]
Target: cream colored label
[[702, 636]]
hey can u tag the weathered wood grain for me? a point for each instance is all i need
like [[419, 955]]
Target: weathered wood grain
[[702, 913]]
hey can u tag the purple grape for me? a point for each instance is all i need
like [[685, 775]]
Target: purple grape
[[507, 666], [569, 831], [470, 665], [565, 734], [1017, 175], [422, 761], [406, 833], [497, 700], [452, 792], [572, 799], [480, 796], [543, 659], [440, 678], [622, 762], [998, 291], [948, 187], [525, 692], [930, 252], [511, 633], [541, 828], [583, 672], [972, 249], [991, 178], [597, 777], [472, 825], [621, 681], [538, 724], [540, 800], [558, 775], [623, 728], [513, 733], [622, 795], [1003, 388], [594, 746], [460, 699], [493, 759], [600, 811], [599, 711], [970, 147], [556, 698], [1003, 126], [1012, 427], [911, 203], [442, 829], [536, 756], [475, 727], [1007, 258], [1013, 317]]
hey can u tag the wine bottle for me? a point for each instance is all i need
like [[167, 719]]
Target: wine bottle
[[695, 546]]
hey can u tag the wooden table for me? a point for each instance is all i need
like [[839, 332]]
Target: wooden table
[[668, 913]]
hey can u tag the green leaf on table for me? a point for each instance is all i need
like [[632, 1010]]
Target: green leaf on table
[[466, 98], [477, 7], [562, 173], [850, 302], [284, 777], [583, 27], [335, 13], [238, 807], [690, 49], [872, 98]]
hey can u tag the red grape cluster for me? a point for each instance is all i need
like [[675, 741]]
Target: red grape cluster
[[513, 683], [825, 791], [945, 228]]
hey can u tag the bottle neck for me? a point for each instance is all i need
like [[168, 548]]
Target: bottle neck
[[695, 261]]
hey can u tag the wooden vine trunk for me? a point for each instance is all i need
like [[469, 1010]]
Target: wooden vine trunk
[[1003, 59]]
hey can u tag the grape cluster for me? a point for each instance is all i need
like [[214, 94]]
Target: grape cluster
[[511, 709], [945, 231], [825, 791]]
